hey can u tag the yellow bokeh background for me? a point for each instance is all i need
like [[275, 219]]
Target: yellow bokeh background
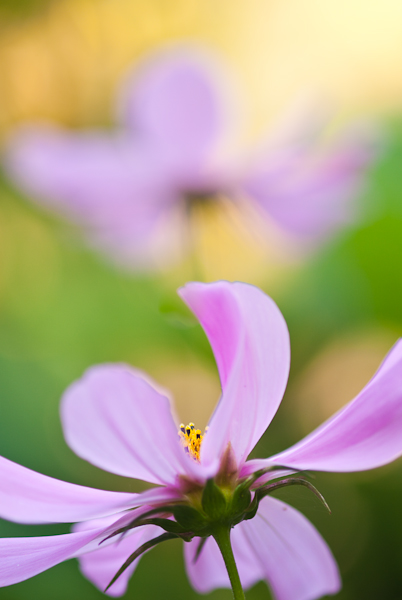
[[64, 62]]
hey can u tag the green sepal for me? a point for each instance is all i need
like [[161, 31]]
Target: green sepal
[[240, 500], [261, 472], [213, 501], [252, 509], [265, 490], [147, 546], [138, 521], [166, 524], [189, 518], [199, 549]]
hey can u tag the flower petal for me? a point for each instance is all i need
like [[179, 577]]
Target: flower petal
[[297, 563], [102, 564], [105, 184], [208, 572], [250, 341], [307, 193], [22, 558], [116, 420], [175, 103], [30, 497], [366, 433]]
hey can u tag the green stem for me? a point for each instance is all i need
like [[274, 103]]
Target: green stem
[[191, 242], [222, 538]]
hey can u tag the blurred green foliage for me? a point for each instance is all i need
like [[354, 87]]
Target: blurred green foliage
[[10, 8]]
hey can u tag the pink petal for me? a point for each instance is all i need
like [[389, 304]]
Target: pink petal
[[297, 563], [250, 341], [30, 497], [365, 434], [116, 420], [157, 495], [22, 558], [307, 193], [107, 526], [100, 565], [209, 571], [110, 524], [174, 101], [105, 184]]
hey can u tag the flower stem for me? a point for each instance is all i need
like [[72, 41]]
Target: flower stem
[[222, 538]]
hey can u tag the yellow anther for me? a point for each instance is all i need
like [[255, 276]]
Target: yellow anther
[[191, 439]]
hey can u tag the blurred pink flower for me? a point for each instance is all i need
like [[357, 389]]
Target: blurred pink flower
[[117, 420], [131, 189]]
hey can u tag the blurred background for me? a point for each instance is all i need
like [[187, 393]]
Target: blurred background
[[64, 307]]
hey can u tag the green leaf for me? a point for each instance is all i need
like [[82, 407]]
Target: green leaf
[[213, 501]]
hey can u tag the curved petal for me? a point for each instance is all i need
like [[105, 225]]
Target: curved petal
[[116, 420], [30, 497], [22, 558], [33, 498], [297, 563], [308, 193], [101, 564], [174, 101], [157, 495], [208, 572], [250, 341], [366, 433], [108, 185]]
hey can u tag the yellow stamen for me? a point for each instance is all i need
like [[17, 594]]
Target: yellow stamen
[[191, 440]]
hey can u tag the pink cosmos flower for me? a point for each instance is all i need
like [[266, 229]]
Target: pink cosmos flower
[[131, 190], [115, 418]]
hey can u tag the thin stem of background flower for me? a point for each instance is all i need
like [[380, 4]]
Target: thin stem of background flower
[[222, 538], [190, 234]]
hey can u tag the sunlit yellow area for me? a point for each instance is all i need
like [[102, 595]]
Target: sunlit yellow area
[[64, 62], [194, 389], [338, 374], [29, 260]]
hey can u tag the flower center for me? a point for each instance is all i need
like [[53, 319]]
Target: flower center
[[191, 439]]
